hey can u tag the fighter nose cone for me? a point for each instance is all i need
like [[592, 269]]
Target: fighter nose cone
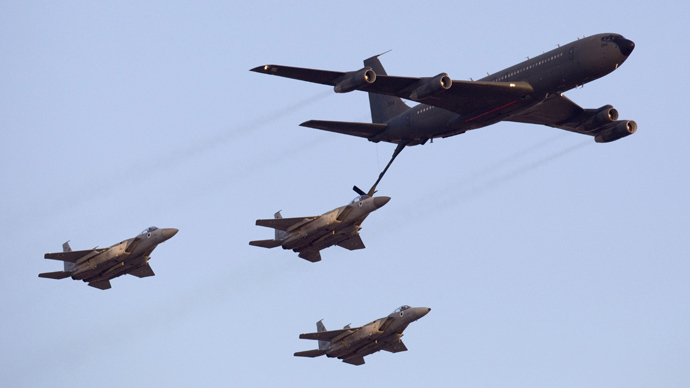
[[626, 46], [423, 311], [169, 232], [380, 201]]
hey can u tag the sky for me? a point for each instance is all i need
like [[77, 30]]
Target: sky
[[547, 259]]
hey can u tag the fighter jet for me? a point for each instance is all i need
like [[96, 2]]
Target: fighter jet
[[352, 344], [529, 92], [309, 235], [97, 266]]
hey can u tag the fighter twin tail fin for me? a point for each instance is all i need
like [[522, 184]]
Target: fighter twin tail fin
[[323, 345]]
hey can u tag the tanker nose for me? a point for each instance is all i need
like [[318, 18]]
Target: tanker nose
[[626, 46], [167, 233], [380, 201]]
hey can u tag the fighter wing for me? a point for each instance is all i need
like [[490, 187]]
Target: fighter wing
[[284, 223], [313, 256], [395, 347], [143, 271], [101, 284], [329, 335], [73, 256], [354, 360], [352, 243], [462, 97]]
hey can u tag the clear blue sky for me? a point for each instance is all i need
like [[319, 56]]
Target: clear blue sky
[[548, 260]]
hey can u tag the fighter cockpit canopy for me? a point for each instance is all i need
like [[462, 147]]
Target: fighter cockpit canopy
[[401, 308], [360, 198], [149, 229]]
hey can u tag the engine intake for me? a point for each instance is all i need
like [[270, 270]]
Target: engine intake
[[618, 130], [355, 80], [431, 86], [604, 116]]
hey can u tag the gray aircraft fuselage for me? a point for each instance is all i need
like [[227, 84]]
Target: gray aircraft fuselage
[[309, 235], [529, 92], [98, 266], [334, 226], [376, 335], [352, 344], [554, 72]]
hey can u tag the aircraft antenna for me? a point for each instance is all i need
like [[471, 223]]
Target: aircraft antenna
[[385, 52]]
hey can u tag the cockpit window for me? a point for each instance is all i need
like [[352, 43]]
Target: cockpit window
[[401, 308], [149, 229], [360, 198], [610, 38]]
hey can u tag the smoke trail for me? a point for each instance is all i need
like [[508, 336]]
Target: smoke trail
[[134, 174], [238, 132], [505, 178], [450, 196], [510, 158]]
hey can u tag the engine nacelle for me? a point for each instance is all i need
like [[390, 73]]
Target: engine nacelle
[[355, 80], [432, 86], [605, 115], [619, 130]]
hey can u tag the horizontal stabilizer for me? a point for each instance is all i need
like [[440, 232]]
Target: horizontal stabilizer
[[311, 353], [102, 284], [55, 275], [284, 223], [355, 360], [265, 243], [352, 243], [365, 130], [143, 271]]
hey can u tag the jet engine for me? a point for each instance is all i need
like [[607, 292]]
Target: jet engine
[[355, 80], [432, 86], [619, 130], [605, 115]]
